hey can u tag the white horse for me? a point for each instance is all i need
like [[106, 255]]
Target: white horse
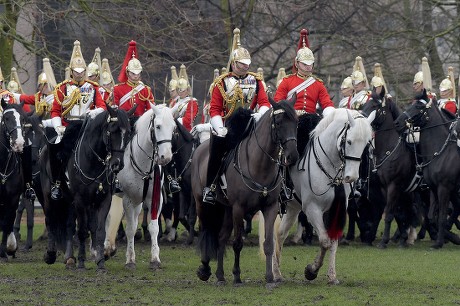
[[321, 182], [141, 177]]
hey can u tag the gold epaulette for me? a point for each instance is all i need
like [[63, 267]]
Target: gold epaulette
[[92, 83], [318, 79], [256, 75]]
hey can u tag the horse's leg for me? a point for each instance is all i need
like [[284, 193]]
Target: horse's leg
[[315, 216], [9, 217], [443, 197], [98, 243], [17, 221], [132, 216], [112, 224], [386, 231], [224, 235], [82, 232], [30, 210], [50, 255], [192, 218], [270, 214], [331, 273], [154, 229], [292, 211], [145, 223], [238, 223], [352, 211]]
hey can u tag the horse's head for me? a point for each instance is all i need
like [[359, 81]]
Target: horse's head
[[115, 136], [284, 129], [352, 139], [161, 130], [376, 110], [12, 125], [416, 114]]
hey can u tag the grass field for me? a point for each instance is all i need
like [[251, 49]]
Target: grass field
[[369, 276]]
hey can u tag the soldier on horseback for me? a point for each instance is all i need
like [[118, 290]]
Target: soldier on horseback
[[73, 98], [131, 90], [360, 85], [447, 93], [236, 89], [309, 91]]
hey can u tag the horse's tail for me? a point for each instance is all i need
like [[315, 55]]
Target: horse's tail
[[335, 218], [211, 219], [58, 216], [262, 235]]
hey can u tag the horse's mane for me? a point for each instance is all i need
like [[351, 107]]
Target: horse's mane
[[183, 131], [101, 119], [339, 116], [143, 121], [393, 107]]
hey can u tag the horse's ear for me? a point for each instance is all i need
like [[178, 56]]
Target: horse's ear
[[31, 113], [271, 100], [293, 99], [350, 119], [132, 110], [112, 112]]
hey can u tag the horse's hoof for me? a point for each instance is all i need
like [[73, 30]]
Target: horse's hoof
[[221, 283], [130, 266], [70, 263], [382, 245], [278, 279], [436, 246], [344, 242], [272, 285], [309, 274], [50, 257], [155, 265], [203, 273], [333, 282], [101, 271], [113, 252]]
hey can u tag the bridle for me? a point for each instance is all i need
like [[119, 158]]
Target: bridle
[[12, 160], [9, 131]]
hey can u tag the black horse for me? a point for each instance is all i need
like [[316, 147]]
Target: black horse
[[438, 157], [11, 173], [179, 171], [253, 179], [92, 168], [394, 164]]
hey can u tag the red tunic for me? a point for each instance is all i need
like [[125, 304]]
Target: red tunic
[[143, 98], [217, 106], [61, 93], [190, 114], [307, 98]]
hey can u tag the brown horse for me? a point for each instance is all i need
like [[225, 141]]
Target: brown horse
[[253, 178]]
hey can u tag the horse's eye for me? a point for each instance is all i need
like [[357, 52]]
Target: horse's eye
[[349, 142], [158, 127]]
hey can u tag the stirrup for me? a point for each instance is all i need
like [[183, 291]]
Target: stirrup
[[174, 186], [117, 186], [30, 193], [209, 195], [56, 191]]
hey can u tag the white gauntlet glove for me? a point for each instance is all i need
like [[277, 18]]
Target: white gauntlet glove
[[218, 126], [259, 114], [92, 113]]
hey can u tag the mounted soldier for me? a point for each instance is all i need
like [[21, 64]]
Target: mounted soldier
[[360, 85], [106, 81], [308, 90], [73, 98], [131, 91], [93, 70], [185, 109], [447, 93], [346, 89], [234, 93]]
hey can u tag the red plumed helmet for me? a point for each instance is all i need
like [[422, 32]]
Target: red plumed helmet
[[130, 54]]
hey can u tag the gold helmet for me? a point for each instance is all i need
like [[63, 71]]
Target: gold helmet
[[223, 70], [449, 82], [359, 73], [77, 62], [378, 79], [131, 63], [303, 53], [67, 73], [427, 84], [93, 69], [346, 83], [106, 74], [418, 77], [182, 82], [280, 76], [238, 53], [174, 78], [211, 87], [47, 76], [14, 85]]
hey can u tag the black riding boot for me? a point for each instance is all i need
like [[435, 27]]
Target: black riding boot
[[56, 166], [173, 184], [26, 160], [217, 150]]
